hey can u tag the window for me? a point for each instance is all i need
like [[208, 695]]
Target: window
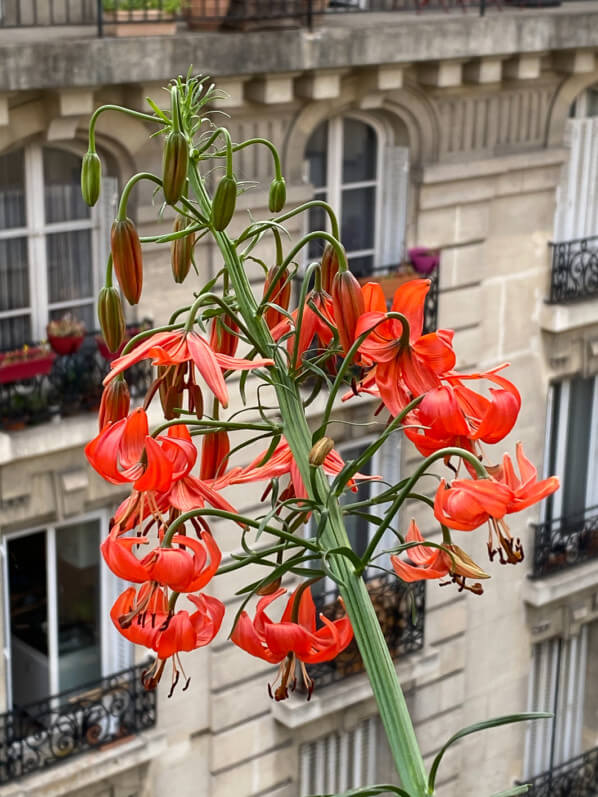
[[52, 246], [57, 599], [561, 678], [365, 181]]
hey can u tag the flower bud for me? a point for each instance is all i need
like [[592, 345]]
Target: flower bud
[[278, 195], [214, 454], [181, 251], [320, 451], [91, 177], [126, 256], [269, 589], [223, 204], [112, 320], [115, 402], [329, 265], [463, 565], [348, 305], [281, 295], [175, 161], [223, 339]]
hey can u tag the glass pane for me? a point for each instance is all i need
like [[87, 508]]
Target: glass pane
[[362, 266], [28, 617], [83, 312], [14, 332], [578, 446], [357, 527], [316, 221], [69, 265], [359, 151], [14, 274], [357, 225], [62, 187], [78, 579], [12, 190], [316, 154]]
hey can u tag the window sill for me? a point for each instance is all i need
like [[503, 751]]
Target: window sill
[[89, 768], [296, 711], [565, 317], [544, 591]]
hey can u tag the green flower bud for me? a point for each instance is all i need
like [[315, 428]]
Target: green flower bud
[[112, 320], [91, 177], [223, 204], [174, 166], [278, 195]]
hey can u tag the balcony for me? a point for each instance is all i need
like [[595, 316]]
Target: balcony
[[575, 778], [49, 386], [39, 735], [401, 612], [565, 542], [574, 270]]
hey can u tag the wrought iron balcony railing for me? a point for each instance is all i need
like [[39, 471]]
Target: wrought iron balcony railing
[[574, 270], [39, 735], [565, 542], [401, 613], [35, 391], [575, 778]]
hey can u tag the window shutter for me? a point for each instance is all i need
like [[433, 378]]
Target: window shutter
[[394, 205], [577, 209]]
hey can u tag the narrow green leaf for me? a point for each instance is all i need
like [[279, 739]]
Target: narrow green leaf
[[369, 791], [482, 726], [523, 789]]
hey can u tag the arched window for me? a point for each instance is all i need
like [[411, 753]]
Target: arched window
[[50, 246], [364, 178]]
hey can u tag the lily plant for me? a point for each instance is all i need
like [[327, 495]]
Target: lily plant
[[334, 338]]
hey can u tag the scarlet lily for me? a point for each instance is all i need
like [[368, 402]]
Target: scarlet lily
[[149, 622], [214, 454], [294, 639], [115, 403], [404, 366], [317, 323], [348, 305], [180, 346], [468, 503], [527, 490], [223, 335]]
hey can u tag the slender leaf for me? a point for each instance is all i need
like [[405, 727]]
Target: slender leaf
[[482, 726], [369, 791], [523, 789]]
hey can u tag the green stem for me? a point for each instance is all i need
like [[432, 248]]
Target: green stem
[[372, 645], [124, 198], [109, 268], [248, 143], [94, 118]]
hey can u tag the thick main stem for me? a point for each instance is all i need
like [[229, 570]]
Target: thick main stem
[[372, 645]]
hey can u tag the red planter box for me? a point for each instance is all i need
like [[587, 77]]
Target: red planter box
[[27, 369], [67, 344]]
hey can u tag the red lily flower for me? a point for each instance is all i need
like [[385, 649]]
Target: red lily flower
[[125, 452], [214, 454], [168, 633], [404, 367], [184, 569], [527, 490], [316, 324], [180, 346], [294, 639], [468, 503]]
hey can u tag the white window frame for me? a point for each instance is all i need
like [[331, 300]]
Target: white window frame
[[111, 642], [36, 230]]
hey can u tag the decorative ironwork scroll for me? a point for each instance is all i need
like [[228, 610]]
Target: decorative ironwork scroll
[[565, 542], [575, 778], [574, 270]]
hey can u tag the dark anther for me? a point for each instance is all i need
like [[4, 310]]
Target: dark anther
[[174, 683], [184, 689]]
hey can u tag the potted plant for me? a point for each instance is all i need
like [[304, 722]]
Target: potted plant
[[424, 260], [141, 17], [66, 334], [25, 363]]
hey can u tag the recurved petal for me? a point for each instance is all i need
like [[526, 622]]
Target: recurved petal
[[409, 299], [244, 636], [207, 364]]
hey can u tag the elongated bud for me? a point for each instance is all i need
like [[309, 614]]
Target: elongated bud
[[111, 317], [222, 335], [320, 451], [278, 195], [463, 565], [181, 251], [269, 589], [348, 305], [91, 177], [171, 388], [329, 266], [126, 256], [175, 160], [115, 402], [214, 453], [223, 204], [281, 295]]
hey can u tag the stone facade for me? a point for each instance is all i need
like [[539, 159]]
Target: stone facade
[[481, 104]]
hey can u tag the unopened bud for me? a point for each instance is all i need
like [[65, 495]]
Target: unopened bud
[[278, 195], [223, 337], [111, 317], [329, 265], [115, 402], [91, 177], [214, 454], [269, 589], [224, 202], [175, 161], [280, 295], [348, 304], [126, 256], [181, 251], [320, 451]]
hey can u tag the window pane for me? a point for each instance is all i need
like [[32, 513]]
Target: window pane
[[14, 332], [362, 266], [62, 187], [82, 312], [357, 226], [316, 221], [317, 155], [78, 579], [357, 527], [12, 190], [14, 274], [69, 265], [578, 445], [359, 151]]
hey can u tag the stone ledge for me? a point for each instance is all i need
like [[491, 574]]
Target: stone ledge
[[564, 317], [543, 591], [501, 164], [296, 712]]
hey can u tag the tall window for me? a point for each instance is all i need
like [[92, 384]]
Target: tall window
[[365, 180], [50, 246]]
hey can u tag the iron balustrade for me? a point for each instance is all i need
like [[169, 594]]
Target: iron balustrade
[[575, 778], [574, 270], [72, 385], [39, 735], [48, 13], [401, 612], [565, 542]]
